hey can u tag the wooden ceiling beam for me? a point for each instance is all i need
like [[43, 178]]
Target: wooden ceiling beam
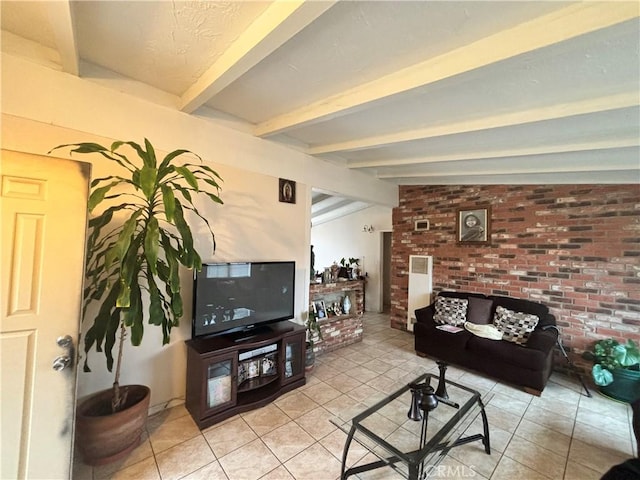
[[279, 23], [497, 154], [558, 26], [513, 171], [61, 18], [540, 114]]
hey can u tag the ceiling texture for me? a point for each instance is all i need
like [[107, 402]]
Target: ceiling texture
[[411, 92]]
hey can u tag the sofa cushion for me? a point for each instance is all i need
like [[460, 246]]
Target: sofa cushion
[[441, 344], [479, 311], [515, 326], [507, 353], [450, 310]]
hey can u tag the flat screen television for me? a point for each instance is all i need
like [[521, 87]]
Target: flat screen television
[[242, 296]]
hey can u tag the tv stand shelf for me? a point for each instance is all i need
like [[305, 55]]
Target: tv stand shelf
[[228, 374]]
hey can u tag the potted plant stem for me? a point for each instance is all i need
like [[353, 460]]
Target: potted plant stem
[[616, 369], [314, 334], [135, 247]]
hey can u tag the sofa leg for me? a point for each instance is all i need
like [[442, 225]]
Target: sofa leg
[[420, 354], [532, 391]]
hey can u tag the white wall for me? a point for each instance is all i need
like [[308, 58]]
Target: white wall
[[43, 108], [344, 237]]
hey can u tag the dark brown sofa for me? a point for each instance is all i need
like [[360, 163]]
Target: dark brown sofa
[[528, 366]]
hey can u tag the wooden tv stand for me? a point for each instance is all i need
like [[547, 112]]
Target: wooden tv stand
[[234, 373]]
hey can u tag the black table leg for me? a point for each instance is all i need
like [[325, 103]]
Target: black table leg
[[346, 452], [441, 391], [485, 426]]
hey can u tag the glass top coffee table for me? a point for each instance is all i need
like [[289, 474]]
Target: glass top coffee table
[[414, 428]]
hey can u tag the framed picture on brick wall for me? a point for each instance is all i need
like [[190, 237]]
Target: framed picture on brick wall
[[474, 226]]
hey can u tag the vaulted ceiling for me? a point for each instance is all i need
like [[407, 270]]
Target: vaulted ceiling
[[412, 92]]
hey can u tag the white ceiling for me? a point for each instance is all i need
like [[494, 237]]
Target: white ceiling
[[421, 92]]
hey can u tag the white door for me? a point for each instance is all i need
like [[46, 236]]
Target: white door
[[43, 234]]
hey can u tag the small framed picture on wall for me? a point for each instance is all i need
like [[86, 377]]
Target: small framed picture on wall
[[287, 191], [474, 226]]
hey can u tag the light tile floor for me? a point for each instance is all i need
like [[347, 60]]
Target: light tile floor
[[562, 434]]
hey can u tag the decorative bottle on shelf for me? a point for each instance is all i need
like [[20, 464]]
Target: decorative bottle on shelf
[[346, 304]]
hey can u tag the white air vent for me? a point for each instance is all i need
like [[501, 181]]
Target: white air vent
[[419, 264], [421, 225], [419, 286]]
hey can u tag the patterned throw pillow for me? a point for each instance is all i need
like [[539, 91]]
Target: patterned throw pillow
[[515, 326], [451, 311]]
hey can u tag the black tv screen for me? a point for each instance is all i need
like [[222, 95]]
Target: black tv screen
[[238, 296]]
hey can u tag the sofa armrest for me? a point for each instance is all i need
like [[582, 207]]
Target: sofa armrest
[[425, 314], [543, 340]]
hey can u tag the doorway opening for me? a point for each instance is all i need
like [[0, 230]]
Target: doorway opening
[[386, 272]]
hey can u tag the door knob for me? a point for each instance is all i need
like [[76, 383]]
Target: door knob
[[65, 342], [61, 362]]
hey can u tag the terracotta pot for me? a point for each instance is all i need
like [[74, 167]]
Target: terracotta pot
[[103, 437]]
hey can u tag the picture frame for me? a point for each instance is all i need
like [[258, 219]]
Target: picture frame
[[287, 191], [242, 372], [320, 309], [253, 369], [474, 226], [268, 365]]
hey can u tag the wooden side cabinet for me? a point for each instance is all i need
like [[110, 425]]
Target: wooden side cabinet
[[234, 373]]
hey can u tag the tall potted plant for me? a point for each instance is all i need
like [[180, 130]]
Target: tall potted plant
[[132, 273]]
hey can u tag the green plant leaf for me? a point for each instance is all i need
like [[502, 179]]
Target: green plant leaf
[[185, 233], [151, 153], [176, 305], [213, 237], [110, 337], [166, 161], [97, 181], [173, 280], [96, 334], [188, 176], [169, 202], [185, 193], [139, 150], [98, 195], [156, 313], [148, 176], [126, 236], [151, 244], [124, 299], [133, 315], [95, 148], [214, 197], [86, 147], [208, 169]]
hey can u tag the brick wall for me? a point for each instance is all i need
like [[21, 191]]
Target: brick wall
[[575, 248], [340, 330]]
